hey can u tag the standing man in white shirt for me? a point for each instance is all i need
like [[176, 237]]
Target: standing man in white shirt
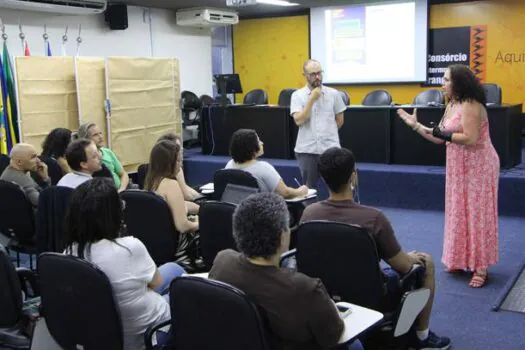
[[318, 111], [83, 159]]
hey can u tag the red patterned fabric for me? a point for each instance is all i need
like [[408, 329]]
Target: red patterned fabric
[[471, 200]]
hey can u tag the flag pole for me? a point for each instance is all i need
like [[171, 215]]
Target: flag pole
[[107, 105], [64, 42], [17, 96], [22, 36], [77, 83]]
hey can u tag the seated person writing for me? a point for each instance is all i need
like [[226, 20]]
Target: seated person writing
[[92, 132], [245, 148], [300, 313], [337, 168], [164, 164], [84, 159], [23, 160]]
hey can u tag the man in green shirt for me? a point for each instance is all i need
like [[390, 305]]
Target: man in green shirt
[[92, 132]]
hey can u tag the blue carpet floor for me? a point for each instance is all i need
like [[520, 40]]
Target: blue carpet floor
[[460, 312]]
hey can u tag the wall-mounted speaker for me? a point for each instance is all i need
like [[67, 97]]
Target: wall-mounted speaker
[[116, 16]]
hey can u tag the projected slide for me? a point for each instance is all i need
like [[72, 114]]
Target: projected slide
[[347, 30], [371, 43]]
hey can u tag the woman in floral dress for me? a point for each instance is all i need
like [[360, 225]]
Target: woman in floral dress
[[471, 195]]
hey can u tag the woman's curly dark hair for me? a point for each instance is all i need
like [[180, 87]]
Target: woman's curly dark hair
[[56, 142], [465, 85]]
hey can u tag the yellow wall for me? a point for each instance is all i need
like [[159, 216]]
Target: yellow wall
[[268, 53]]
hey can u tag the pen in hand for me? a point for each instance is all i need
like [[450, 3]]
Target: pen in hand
[[297, 182]]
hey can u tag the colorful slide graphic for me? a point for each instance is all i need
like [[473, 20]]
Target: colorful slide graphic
[[348, 34]]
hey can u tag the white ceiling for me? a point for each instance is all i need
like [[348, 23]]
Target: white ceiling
[[257, 10]]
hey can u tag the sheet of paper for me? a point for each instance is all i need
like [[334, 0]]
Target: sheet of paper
[[311, 194], [207, 187]]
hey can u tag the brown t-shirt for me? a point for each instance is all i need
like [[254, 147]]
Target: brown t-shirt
[[349, 212], [300, 313]]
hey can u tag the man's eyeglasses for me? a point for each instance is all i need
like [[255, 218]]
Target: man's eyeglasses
[[314, 74]]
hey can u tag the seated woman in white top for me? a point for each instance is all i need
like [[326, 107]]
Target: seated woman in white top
[[164, 165], [95, 233], [245, 148]]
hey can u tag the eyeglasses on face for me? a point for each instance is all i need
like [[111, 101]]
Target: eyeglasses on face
[[314, 74]]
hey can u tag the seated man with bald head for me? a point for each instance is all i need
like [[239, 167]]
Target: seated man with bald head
[[23, 160]]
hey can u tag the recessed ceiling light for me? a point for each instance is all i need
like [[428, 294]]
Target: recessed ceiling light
[[277, 2]]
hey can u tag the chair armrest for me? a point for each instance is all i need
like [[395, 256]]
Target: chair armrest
[[26, 275], [287, 255], [200, 199], [148, 336], [413, 278]]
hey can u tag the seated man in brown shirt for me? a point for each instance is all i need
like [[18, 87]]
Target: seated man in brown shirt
[[337, 168], [300, 313]]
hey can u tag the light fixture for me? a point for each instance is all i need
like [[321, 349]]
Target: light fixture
[[277, 2]]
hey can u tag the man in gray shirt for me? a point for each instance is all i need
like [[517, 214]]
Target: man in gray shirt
[[23, 160], [318, 112], [84, 159]]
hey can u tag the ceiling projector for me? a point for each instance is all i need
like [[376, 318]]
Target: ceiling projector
[[240, 3]]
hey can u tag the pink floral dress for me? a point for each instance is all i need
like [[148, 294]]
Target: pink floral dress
[[471, 200]]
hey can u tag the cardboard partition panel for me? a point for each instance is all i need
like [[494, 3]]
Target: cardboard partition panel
[[144, 95], [47, 96]]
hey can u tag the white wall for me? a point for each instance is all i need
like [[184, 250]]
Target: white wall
[[192, 46]]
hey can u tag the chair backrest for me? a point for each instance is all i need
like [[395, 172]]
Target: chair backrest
[[148, 217], [432, 95], [17, 218], [53, 203], [285, 97], [10, 292], [142, 171], [215, 228], [492, 93], [78, 303], [103, 172], [377, 98], [4, 162], [220, 311], [257, 96], [53, 169], [218, 100], [345, 258], [207, 100], [223, 177], [345, 97]]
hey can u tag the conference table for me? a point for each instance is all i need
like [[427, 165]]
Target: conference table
[[375, 134]]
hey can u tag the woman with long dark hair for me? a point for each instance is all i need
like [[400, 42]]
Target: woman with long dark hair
[[55, 145], [95, 232], [164, 165], [472, 174], [189, 193]]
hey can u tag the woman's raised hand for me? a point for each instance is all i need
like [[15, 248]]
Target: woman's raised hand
[[409, 119]]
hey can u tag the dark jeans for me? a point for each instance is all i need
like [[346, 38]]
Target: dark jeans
[[393, 290]]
